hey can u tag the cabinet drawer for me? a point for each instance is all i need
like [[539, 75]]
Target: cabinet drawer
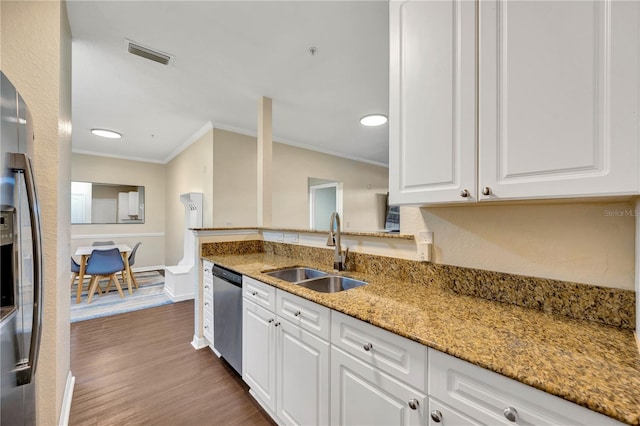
[[306, 314], [486, 396], [260, 293], [443, 415], [207, 329], [400, 357]]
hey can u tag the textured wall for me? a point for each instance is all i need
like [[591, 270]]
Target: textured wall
[[581, 242], [36, 56]]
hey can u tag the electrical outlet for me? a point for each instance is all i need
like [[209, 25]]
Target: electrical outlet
[[424, 252], [425, 236]]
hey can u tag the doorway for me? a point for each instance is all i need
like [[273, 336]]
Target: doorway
[[325, 197]]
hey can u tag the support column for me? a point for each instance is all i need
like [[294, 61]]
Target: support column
[[265, 156]]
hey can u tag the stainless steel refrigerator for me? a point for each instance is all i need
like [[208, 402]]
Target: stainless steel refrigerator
[[20, 263]]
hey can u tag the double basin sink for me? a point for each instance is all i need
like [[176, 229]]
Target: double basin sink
[[315, 280]]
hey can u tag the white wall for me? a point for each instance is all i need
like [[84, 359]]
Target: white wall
[[190, 171], [36, 57], [89, 168], [581, 242]]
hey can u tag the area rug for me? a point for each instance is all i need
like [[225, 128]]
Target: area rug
[[150, 294]]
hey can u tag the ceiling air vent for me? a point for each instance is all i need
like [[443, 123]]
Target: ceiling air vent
[[147, 53]]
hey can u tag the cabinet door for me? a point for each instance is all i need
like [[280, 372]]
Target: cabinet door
[[259, 352], [558, 90], [432, 101], [363, 395], [302, 376]]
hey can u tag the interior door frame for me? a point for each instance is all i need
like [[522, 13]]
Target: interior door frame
[[312, 191]]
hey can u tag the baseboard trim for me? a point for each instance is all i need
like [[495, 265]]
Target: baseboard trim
[[180, 298], [148, 268], [199, 342], [66, 400]]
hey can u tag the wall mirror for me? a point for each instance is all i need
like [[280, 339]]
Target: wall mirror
[[93, 203]]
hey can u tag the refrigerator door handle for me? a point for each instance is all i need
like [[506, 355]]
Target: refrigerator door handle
[[21, 163]]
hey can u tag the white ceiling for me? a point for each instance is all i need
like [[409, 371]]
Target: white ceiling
[[228, 54]]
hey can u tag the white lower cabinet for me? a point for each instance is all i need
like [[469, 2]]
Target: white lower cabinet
[[443, 415], [207, 301], [362, 394], [259, 353], [307, 365], [286, 366], [481, 396], [302, 382]]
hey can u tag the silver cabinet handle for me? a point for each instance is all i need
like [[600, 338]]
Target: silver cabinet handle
[[510, 414], [21, 163], [413, 404], [465, 193], [436, 416], [368, 347], [486, 191], [297, 314]]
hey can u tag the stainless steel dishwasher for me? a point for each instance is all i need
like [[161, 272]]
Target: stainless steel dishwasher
[[227, 316]]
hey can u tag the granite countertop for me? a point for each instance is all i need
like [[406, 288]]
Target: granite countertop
[[593, 365]]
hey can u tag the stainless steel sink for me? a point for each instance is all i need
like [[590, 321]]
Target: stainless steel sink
[[293, 275], [331, 284]]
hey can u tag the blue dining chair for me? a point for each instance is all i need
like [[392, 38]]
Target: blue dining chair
[[104, 263], [75, 270]]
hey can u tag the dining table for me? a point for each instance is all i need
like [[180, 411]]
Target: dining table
[[85, 251]]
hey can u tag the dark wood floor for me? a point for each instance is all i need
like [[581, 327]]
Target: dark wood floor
[[140, 368]]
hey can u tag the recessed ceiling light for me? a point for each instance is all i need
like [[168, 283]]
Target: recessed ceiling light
[[106, 133], [373, 120]]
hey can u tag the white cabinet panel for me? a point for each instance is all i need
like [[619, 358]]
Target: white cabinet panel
[[558, 105], [484, 396], [207, 301], [545, 105], [260, 293], [362, 395], [432, 101], [304, 313], [302, 376], [400, 357], [259, 352], [443, 415]]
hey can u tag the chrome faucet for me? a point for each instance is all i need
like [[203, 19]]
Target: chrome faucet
[[339, 257]]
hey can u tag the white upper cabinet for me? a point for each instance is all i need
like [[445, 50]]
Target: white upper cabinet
[[432, 101], [556, 100]]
